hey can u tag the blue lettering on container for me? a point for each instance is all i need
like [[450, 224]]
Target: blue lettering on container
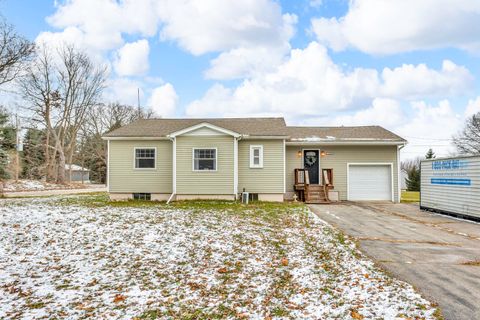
[[449, 181], [452, 164]]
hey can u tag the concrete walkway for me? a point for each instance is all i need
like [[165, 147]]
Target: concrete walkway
[[438, 255], [55, 192]]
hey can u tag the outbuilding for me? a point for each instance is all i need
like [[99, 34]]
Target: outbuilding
[[79, 174], [451, 186]]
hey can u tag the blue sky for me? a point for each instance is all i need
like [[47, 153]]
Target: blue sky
[[408, 66]]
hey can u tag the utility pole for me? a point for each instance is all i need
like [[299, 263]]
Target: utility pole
[[17, 147], [138, 103]]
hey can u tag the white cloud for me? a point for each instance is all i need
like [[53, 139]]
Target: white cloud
[[473, 107], [410, 81], [385, 27], [163, 100], [315, 3], [132, 58], [383, 112], [244, 63], [102, 22], [235, 29], [217, 25], [309, 84], [123, 90]]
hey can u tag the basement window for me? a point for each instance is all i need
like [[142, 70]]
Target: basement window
[[145, 158], [142, 196]]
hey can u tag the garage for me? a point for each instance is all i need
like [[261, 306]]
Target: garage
[[370, 182]]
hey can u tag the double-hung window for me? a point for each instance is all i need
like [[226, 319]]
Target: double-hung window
[[256, 156], [205, 159], [145, 158]]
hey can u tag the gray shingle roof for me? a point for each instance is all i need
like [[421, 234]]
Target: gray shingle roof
[[341, 133], [257, 127], [163, 127]]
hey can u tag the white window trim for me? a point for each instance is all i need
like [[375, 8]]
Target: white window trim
[[202, 148], [252, 164], [135, 158]]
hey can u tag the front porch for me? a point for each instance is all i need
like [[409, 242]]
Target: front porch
[[312, 193]]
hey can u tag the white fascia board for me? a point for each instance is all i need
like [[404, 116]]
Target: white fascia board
[[346, 143], [204, 125], [135, 138], [249, 137]]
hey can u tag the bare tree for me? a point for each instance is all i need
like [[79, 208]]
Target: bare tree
[[15, 51], [60, 95], [468, 140], [100, 120]]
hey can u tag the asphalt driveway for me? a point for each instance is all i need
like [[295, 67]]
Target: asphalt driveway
[[439, 255]]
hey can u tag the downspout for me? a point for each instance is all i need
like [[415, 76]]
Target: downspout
[[174, 169], [235, 165], [399, 174]]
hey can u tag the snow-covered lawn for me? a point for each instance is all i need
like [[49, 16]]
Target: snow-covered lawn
[[37, 185], [190, 261]]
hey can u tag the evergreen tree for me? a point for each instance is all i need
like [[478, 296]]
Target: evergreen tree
[[34, 154], [413, 179], [7, 142], [430, 154]]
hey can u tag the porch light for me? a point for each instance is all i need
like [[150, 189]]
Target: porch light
[[323, 153], [299, 154]]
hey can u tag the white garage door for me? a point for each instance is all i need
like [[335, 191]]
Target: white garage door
[[369, 182]]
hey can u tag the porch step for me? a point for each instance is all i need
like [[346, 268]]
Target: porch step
[[316, 194]]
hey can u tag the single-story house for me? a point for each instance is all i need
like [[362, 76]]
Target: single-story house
[[79, 174], [168, 159]]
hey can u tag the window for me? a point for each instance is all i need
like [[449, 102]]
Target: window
[[204, 159], [145, 158], [142, 196], [256, 156]]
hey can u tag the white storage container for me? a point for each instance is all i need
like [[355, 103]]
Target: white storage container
[[451, 186]]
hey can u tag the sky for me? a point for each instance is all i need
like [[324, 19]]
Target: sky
[[410, 66]]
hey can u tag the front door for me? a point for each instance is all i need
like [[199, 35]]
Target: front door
[[311, 162]]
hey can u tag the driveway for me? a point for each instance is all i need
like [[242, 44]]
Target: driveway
[[55, 192], [439, 255]]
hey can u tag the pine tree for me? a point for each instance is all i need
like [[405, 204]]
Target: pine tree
[[413, 179], [430, 154], [7, 142], [34, 154]]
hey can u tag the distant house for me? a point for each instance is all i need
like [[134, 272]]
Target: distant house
[[79, 174], [162, 159]]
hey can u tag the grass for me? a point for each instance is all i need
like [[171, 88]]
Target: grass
[[98, 200], [410, 196], [189, 260]]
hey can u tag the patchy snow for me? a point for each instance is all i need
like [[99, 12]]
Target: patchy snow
[[37, 185], [69, 261]]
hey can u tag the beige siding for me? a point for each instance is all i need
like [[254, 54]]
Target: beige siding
[[268, 179], [337, 158], [214, 182], [293, 162], [125, 179]]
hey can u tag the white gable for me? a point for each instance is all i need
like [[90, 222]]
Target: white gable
[[204, 131]]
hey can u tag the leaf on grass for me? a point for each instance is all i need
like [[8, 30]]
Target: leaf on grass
[[284, 262], [119, 298], [355, 315], [222, 270]]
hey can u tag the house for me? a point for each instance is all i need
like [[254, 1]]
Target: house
[[167, 159], [79, 174]]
